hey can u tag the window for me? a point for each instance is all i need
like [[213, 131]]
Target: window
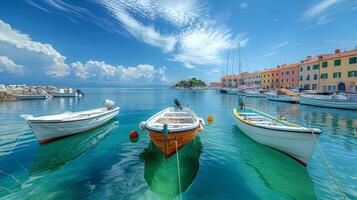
[[277, 80], [300, 78], [287, 72], [308, 77], [323, 76], [282, 80], [352, 74], [337, 75], [324, 64], [272, 75], [292, 79], [315, 76], [287, 80], [272, 81], [316, 67], [301, 69], [282, 73], [308, 68], [353, 60], [292, 72], [337, 62]]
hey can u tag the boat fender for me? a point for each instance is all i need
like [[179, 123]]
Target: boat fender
[[210, 119], [109, 104], [26, 117], [201, 124], [142, 125]]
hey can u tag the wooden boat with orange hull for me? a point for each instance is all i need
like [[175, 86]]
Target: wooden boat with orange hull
[[168, 147], [172, 128]]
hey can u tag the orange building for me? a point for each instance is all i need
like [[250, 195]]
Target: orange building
[[288, 76], [269, 79]]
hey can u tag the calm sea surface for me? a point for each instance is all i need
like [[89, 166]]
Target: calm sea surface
[[221, 163]]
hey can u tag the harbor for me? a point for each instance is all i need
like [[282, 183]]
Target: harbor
[[221, 156]]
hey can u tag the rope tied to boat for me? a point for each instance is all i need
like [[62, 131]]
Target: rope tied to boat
[[327, 165], [178, 169]]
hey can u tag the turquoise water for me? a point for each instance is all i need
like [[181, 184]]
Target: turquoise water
[[221, 163]]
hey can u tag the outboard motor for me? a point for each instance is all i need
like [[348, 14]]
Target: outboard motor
[[177, 104], [79, 92], [109, 104]]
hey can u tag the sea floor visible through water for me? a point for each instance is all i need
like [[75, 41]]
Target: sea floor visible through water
[[220, 163]]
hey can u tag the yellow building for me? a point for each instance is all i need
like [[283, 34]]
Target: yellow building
[[269, 79], [338, 71]]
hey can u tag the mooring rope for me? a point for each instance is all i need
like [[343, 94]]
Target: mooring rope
[[178, 169], [328, 166]]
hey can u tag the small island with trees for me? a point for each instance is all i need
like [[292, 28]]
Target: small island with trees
[[192, 83]]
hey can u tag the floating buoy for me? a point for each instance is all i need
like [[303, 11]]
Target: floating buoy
[[210, 119], [134, 134]]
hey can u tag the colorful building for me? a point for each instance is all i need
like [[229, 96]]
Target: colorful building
[[230, 81], [288, 76], [253, 80], [338, 71], [267, 78], [309, 70]]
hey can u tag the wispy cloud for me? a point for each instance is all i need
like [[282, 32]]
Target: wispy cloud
[[323, 12], [190, 35], [244, 5], [270, 53], [280, 45]]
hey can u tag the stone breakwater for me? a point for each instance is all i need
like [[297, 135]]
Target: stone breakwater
[[8, 93]]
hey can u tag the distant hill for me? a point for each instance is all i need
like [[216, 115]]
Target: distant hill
[[191, 83]]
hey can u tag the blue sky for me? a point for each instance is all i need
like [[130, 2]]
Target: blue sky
[[150, 42]]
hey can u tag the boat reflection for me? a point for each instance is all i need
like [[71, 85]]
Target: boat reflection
[[277, 171], [161, 173], [54, 155]]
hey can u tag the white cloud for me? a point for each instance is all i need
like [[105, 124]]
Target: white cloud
[[195, 39], [244, 5], [270, 53], [8, 66], [10, 36], [99, 70], [140, 31], [206, 46], [280, 45], [322, 13]]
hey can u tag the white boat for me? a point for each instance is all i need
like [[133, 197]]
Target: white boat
[[65, 94], [30, 96], [283, 98], [171, 125], [329, 101], [53, 127], [255, 94], [291, 139]]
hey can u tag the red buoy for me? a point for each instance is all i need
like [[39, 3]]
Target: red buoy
[[134, 134]]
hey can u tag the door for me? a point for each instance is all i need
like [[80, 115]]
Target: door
[[342, 87]]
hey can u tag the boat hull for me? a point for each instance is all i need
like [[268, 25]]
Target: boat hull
[[50, 131], [30, 97], [168, 145], [298, 145], [283, 98], [255, 95], [328, 104], [65, 94]]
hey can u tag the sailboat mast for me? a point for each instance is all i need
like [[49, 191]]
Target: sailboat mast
[[240, 63], [227, 62]]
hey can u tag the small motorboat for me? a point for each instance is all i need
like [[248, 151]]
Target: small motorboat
[[291, 139], [67, 93], [283, 95], [172, 128], [53, 127], [31, 96], [329, 101], [255, 94]]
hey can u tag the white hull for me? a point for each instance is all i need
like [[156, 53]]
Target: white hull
[[327, 103], [282, 98], [295, 141], [73, 94], [255, 95], [49, 130]]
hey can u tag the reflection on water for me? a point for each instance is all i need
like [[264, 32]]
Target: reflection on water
[[161, 173], [53, 155], [277, 171]]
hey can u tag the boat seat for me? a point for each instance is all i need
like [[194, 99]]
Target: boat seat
[[247, 114]]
